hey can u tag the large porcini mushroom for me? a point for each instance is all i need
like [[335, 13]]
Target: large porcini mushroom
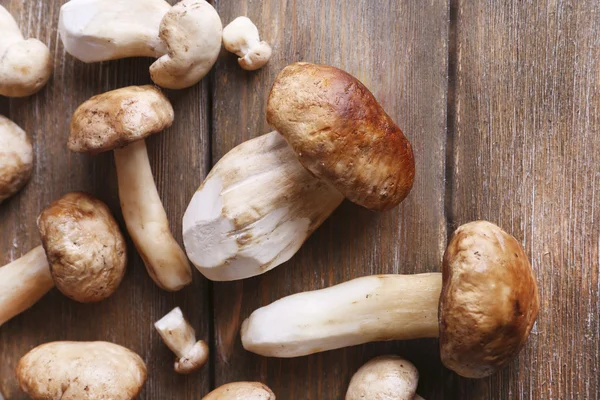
[[83, 253], [186, 38], [483, 306], [241, 37], [25, 64], [241, 391], [81, 370], [16, 158], [119, 120], [258, 204]]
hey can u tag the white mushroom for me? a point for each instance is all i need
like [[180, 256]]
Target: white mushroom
[[25, 65], [241, 391], [241, 37], [179, 336], [16, 158], [186, 38]]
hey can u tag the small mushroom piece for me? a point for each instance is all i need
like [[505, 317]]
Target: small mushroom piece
[[81, 370], [186, 38], [179, 336], [241, 37], [482, 307], [384, 378], [120, 120], [241, 391], [25, 65], [16, 157]]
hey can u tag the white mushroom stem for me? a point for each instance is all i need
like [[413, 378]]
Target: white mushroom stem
[[146, 219], [254, 210], [23, 282], [241, 37], [372, 308]]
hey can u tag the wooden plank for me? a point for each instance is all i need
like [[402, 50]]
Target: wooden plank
[[179, 159], [399, 50], [526, 156]]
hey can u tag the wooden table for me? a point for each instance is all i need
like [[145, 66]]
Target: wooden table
[[500, 100]]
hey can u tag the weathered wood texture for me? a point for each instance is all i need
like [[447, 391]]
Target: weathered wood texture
[[179, 159], [526, 156]]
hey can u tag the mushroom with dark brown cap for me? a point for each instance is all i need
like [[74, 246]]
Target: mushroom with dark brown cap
[[83, 253], [119, 120], [241, 391], [259, 204], [16, 158], [482, 306], [82, 371]]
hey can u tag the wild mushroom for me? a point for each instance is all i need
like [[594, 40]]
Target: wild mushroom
[[488, 303], [119, 120], [179, 336], [16, 158], [25, 64], [81, 370], [186, 38], [241, 37], [241, 391], [259, 204], [384, 378], [83, 253]]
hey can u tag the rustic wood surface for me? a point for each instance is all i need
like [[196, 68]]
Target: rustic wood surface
[[501, 103]]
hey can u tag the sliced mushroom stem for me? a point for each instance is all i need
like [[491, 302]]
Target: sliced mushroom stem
[[372, 308], [23, 282], [146, 219]]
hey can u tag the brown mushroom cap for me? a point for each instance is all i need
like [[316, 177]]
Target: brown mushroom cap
[[16, 158], [489, 300], [342, 135], [241, 391], [84, 246], [82, 371], [382, 378], [116, 118]]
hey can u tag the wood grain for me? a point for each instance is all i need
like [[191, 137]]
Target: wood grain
[[399, 51], [526, 156], [179, 159]]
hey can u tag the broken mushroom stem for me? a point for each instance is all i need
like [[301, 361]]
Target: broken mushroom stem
[[241, 391], [241, 37], [179, 336]]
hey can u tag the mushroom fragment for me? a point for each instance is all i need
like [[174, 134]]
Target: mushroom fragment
[[25, 64], [179, 336], [186, 38], [81, 370], [241, 37], [120, 120], [488, 303], [16, 158], [241, 391], [83, 253], [259, 204]]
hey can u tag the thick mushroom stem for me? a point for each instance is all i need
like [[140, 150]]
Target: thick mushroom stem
[[372, 308], [23, 282], [146, 219]]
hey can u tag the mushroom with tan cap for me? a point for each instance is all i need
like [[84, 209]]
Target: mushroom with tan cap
[[186, 38], [16, 158], [241, 391], [384, 378], [482, 306], [179, 336], [81, 370], [25, 64], [259, 204], [83, 253], [241, 37], [119, 120]]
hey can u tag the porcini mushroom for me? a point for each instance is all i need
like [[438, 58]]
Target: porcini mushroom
[[25, 64], [384, 378], [83, 253], [259, 204], [241, 37], [487, 295], [179, 336], [241, 391], [81, 370], [119, 120], [186, 38], [16, 158]]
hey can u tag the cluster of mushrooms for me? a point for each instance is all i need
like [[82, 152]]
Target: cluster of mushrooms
[[332, 140]]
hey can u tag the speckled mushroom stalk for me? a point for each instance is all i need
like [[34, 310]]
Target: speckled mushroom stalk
[[482, 306], [241, 391]]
